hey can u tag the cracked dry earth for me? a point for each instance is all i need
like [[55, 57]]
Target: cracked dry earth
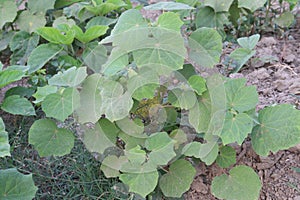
[[275, 71]]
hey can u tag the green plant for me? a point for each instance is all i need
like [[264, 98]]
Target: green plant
[[144, 110]]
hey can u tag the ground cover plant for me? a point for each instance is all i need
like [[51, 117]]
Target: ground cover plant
[[143, 95]]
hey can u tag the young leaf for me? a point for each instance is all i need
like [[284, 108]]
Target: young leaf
[[90, 34], [100, 20], [198, 84], [219, 5], [252, 5], [226, 157], [90, 100], [71, 77], [41, 55], [161, 147], [205, 47], [49, 140], [101, 137], [30, 22], [279, 129], [236, 128], [17, 105], [175, 182], [14, 185], [285, 20], [4, 145], [140, 183], [42, 92], [242, 183], [240, 97], [240, 56], [61, 105], [168, 6], [8, 10], [56, 36], [249, 42]]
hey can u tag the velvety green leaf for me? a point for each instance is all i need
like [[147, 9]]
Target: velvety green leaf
[[236, 128], [111, 165], [41, 55], [21, 91], [90, 100], [17, 105], [140, 183], [252, 5], [240, 56], [208, 114], [103, 8], [16, 186], [226, 157], [50, 140], [131, 127], [168, 6], [178, 180], [116, 103], [22, 44], [9, 76], [36, 6], [161, 147], [8, 10], [185, 99], [205, 47], [71, 77], [179, 136], [207, 17], [68, 61], [198, 84], [94, 56], [42, 92], [279, 129], [240, 97], [100, 20], [207, 152], [242, 184], [136, 156], [285, 20], [78, 11], [90, 34], [101, 137], [4, 145], [29, 22], [56, 36], [248, 42], [5, 38], [156, 47], [219, 5], [170, 20], [61, 105], [131, 141], [146, 91]]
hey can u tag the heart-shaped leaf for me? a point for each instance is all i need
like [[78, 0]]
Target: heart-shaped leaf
[[50, 140], [278, 129], [178, 180], [71, 77], [4, 145], [242, 183], [17, 186], [8, 10], [18, 106]]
